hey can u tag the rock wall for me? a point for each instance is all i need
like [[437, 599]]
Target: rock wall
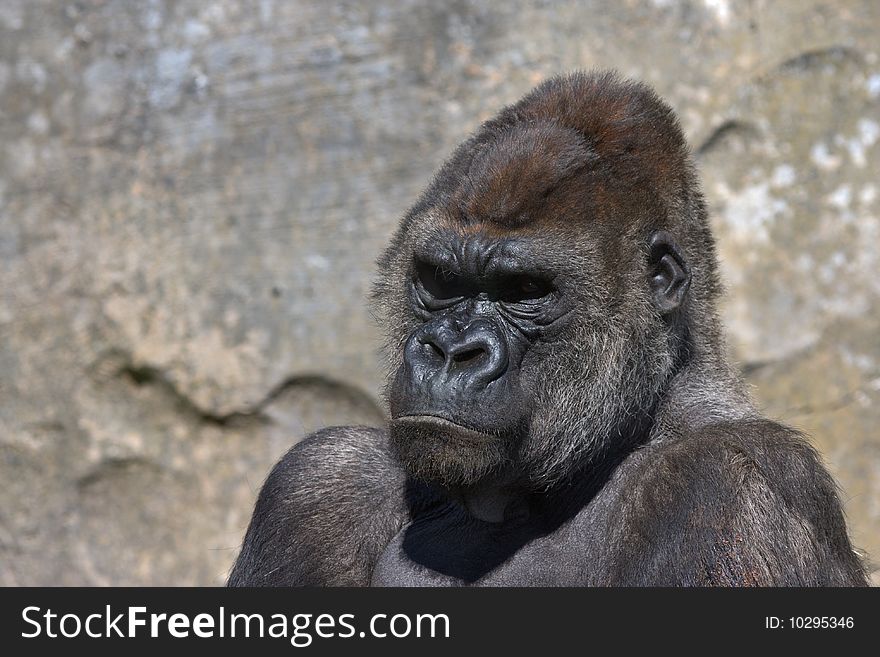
[[193, 194]]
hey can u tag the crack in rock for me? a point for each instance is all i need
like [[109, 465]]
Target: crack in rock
[[724, 131], [257, 413], [811, 59], [147, 375]]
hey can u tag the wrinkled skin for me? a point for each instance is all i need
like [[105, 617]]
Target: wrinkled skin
[[561, 408]]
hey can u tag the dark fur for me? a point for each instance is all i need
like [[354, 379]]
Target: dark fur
[[618, 443]]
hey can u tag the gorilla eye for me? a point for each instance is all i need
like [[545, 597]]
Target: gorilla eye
[[525, 289], [440, 283]]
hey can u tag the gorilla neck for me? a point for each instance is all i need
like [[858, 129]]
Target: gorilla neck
[[487, 503], [496, 499], [707, 391]]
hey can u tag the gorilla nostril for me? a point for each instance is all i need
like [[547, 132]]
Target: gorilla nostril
[[469, 356], [432, 349]]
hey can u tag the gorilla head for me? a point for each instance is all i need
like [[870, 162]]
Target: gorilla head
[[538, 297]]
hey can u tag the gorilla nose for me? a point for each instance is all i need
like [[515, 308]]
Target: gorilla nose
[[467, 351], [474, 355]]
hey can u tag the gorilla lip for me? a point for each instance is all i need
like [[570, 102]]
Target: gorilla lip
[[443, 423]]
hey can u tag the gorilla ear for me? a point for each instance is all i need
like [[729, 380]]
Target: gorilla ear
[[670, 276]]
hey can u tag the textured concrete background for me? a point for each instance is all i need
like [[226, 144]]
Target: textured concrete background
[[192, 196]]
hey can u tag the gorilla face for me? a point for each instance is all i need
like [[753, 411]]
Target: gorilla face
[[527, 354], [460, 403]]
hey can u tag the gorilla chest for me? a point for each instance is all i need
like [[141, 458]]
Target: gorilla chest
[[448, 550]]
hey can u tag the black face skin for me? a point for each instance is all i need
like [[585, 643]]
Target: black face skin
[[562, 410], [485, 305], [460, 405]]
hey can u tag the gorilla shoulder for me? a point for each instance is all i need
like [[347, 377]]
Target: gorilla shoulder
[[754, 492], [326, 510]]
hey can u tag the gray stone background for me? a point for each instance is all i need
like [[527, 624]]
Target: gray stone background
[[192, 196]]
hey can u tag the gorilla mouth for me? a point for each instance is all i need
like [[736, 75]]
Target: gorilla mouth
[[443, 425]]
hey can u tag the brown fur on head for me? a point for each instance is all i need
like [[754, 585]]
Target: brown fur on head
[[582, 172]]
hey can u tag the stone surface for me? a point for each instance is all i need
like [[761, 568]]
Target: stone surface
[[192, 196]]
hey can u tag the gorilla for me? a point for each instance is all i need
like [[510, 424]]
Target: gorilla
[[562, 411]]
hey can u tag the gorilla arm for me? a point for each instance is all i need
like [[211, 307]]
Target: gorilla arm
[[743, 503], [327, 509]]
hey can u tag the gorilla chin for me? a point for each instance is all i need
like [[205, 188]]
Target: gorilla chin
[[438, 451]]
